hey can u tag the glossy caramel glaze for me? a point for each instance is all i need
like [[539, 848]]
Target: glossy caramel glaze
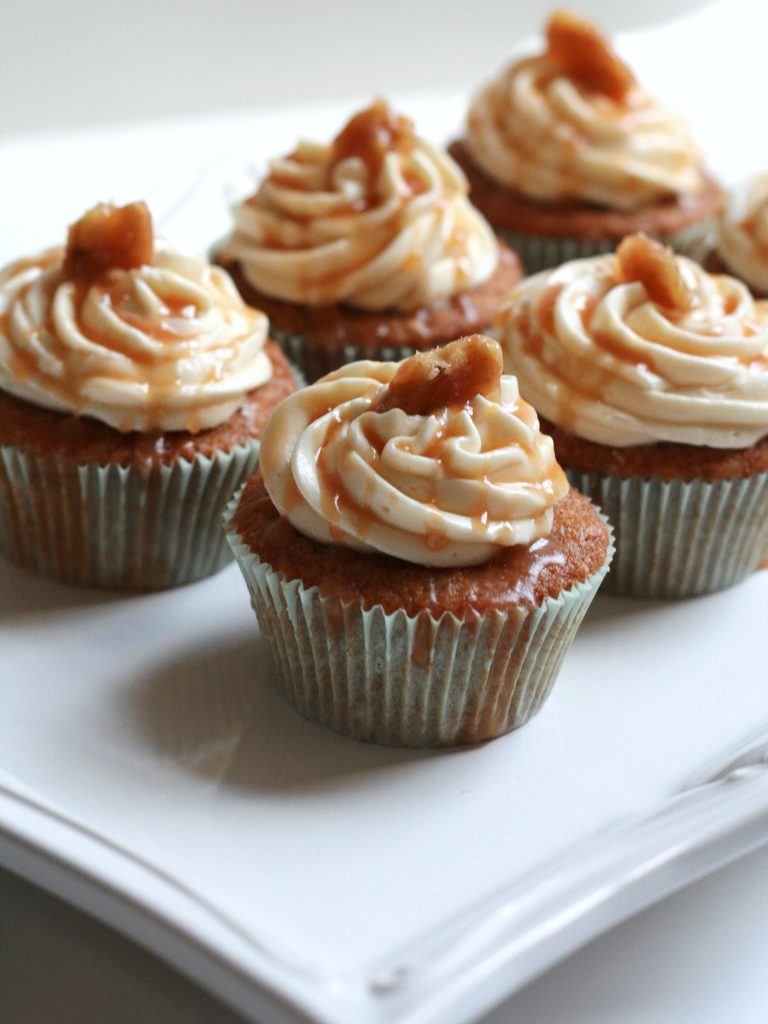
[[641, 258], [585, 55], [109, 237], [371, 134], [519, 577], [85, 440], [505, 208], [449, 376]]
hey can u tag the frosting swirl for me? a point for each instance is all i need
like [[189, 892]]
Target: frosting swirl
[[168, 345], [544, 129], [604, 361], [444, 488], [743, 242], [377, 220]]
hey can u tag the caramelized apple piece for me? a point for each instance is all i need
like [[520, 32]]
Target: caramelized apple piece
[[451, 375], [586, 55], [109, 236], [654, 265], [371, 134]]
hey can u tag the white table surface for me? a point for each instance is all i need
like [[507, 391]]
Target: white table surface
[[701, 957]]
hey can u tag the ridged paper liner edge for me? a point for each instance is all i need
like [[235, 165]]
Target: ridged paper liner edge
[[413, 681], [680, 539], [112, 526]]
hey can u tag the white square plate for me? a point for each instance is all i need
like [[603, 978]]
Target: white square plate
[[150, 773]]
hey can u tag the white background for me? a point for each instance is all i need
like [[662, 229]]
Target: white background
[[72, 62]]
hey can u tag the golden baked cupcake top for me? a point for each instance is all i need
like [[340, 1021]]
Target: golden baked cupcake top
[[641, 346], [435, 460], [572, 123], [379, 220], [120, 327]]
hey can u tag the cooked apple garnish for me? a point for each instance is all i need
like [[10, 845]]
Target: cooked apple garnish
[[109, 236], [448, 376], [371, 134], [655, 266], [586, 55]]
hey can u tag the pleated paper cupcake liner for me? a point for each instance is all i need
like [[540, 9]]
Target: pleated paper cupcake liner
[[538, 252], [411, 681], [138, 528], [314, 360], [676, 539]]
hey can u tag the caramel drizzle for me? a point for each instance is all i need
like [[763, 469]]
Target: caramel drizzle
[[24, 366], [535, 319], [339, 505], [369, 136]]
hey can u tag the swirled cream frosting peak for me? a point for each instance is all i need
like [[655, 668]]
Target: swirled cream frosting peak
[[573, 124], [121, 328], [379, 220], [743, 242], [435, 460], [641, 346]]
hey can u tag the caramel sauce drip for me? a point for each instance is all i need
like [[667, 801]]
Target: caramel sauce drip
[[24, 365], [449, 376], [114, 297], [371, 134], [605, 341], [472, 366], [435, 539], [751, 326], [421, 650], [545, 306], [104, 239], [587, 304], [427, 382], [337, 502], [530, 561], [585, 55], [441, 436], [164, 329], [751, 223], [654, 265], [534, 320], [108, 237], [46, 261]]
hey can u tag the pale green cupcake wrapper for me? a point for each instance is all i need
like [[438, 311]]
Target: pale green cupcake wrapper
[[676, 539], [538, 252], [410, 681], [314, 361], [135, 528]]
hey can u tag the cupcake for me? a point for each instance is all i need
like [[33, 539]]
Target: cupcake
[[134, 386], [415, 557], [652, 377], [566, 154], [742, 243], [367, 248]]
